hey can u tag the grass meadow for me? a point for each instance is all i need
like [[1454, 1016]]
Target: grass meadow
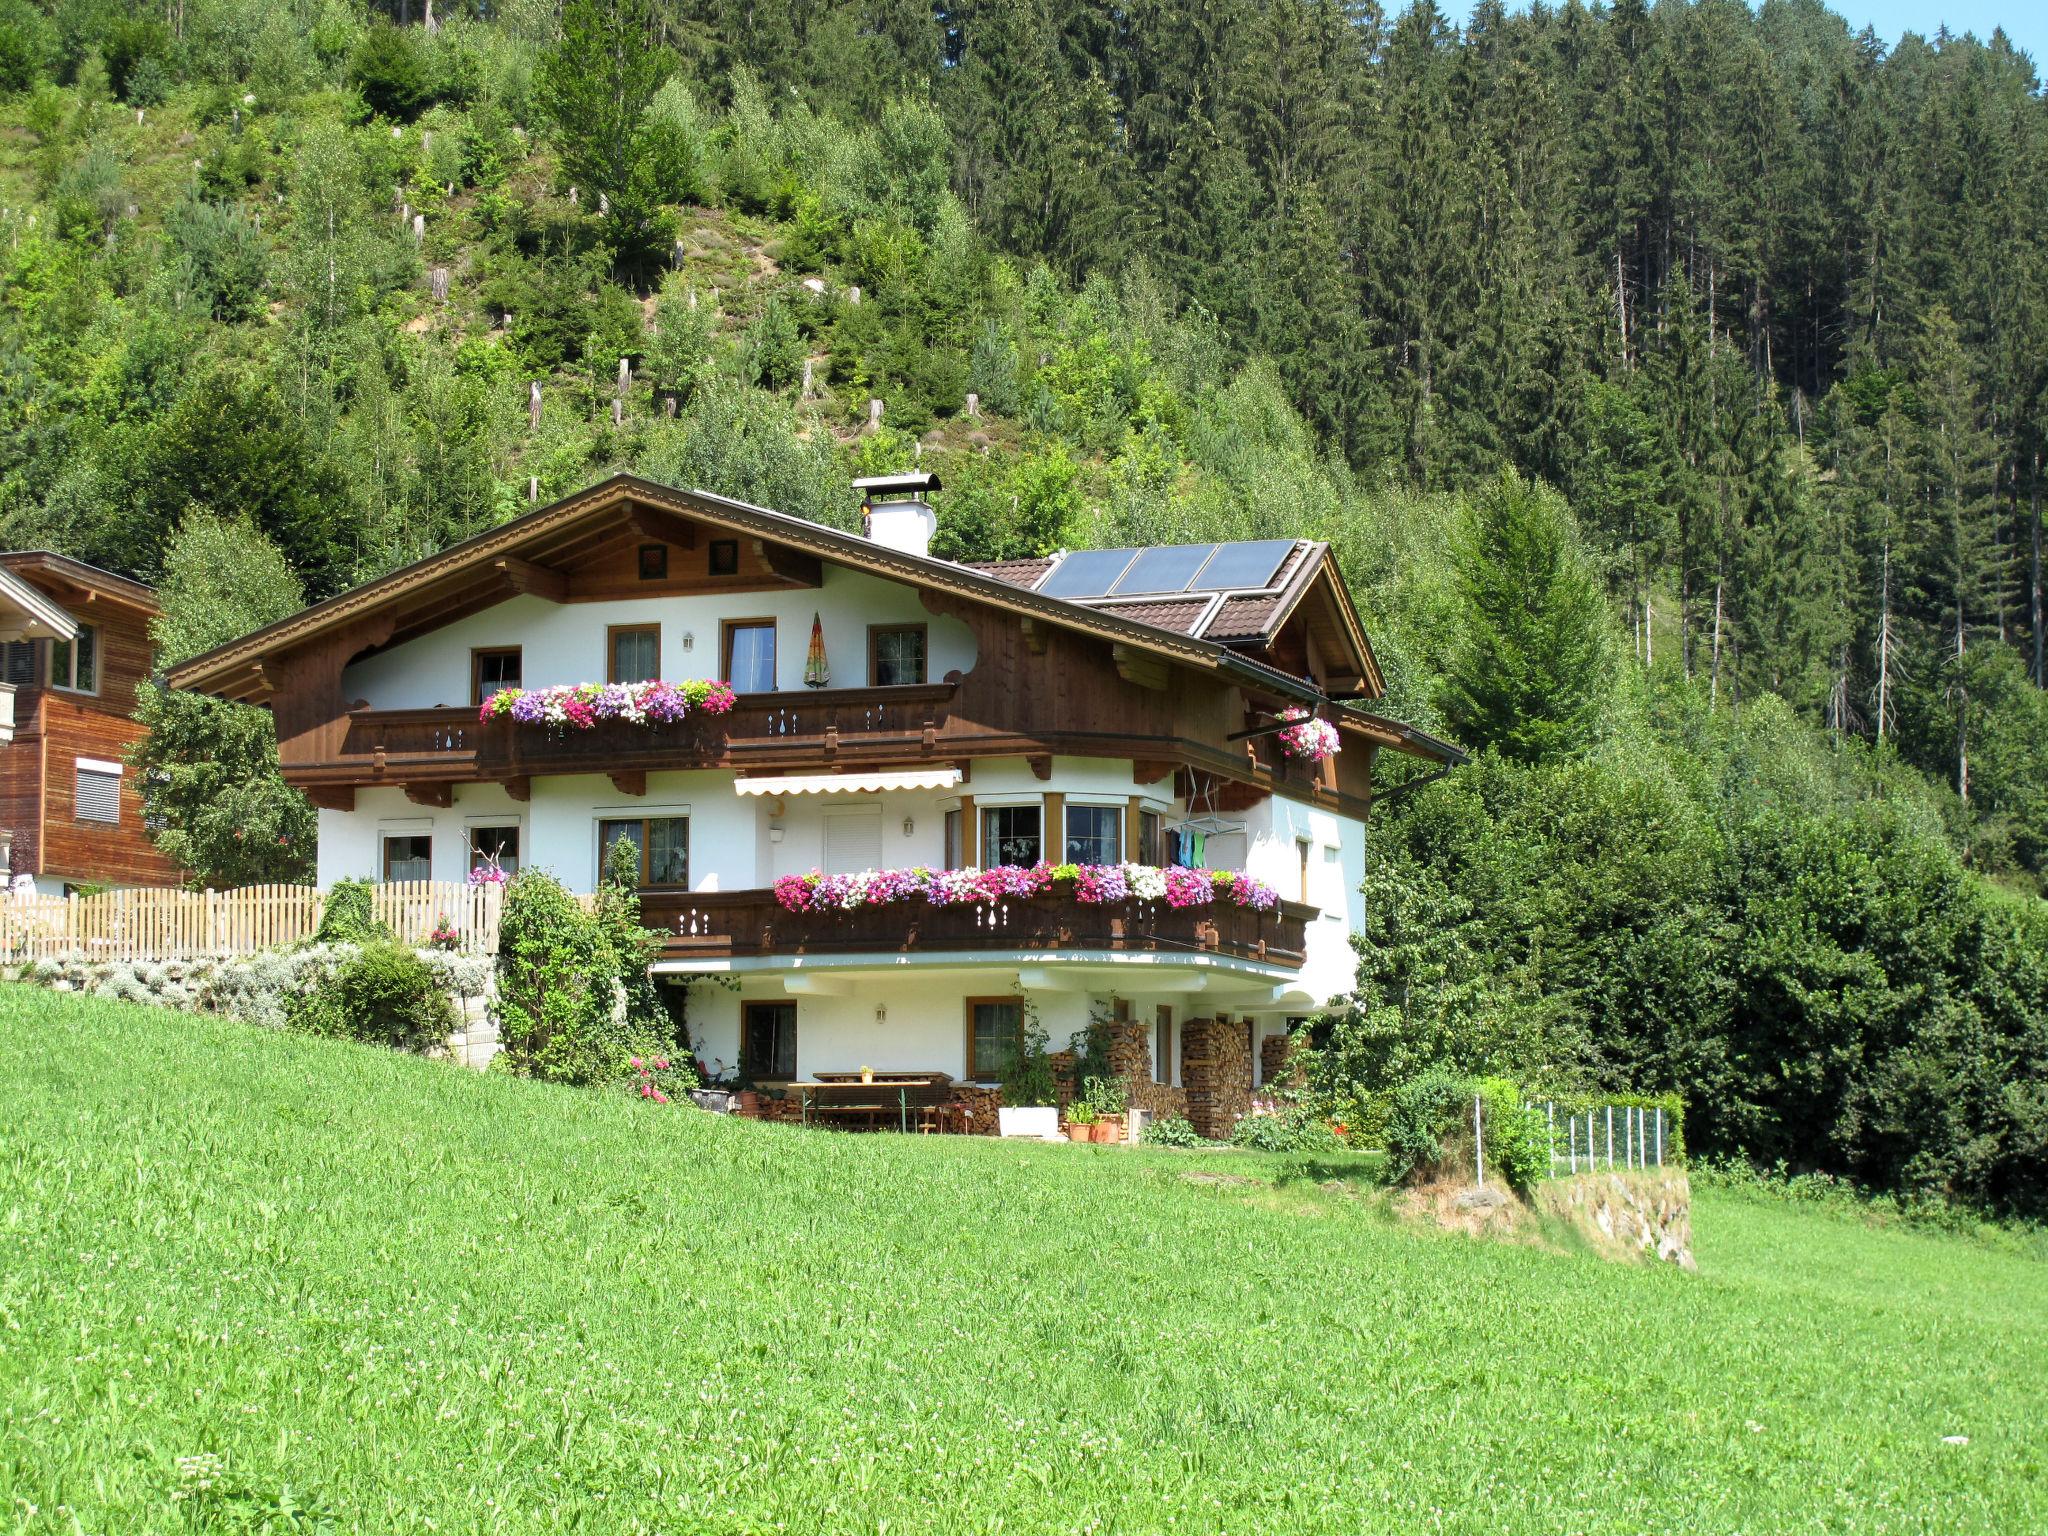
[[255, 1282]]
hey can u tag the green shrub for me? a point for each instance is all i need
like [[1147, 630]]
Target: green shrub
[[1174, 1131], [385, 994], [392, 70], [1294, 1129], [1030, 1082], [1429, 1130], [563, 1007], [350, 916]]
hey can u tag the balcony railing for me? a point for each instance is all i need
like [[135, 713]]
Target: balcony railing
[[831, 725], [729, 924]]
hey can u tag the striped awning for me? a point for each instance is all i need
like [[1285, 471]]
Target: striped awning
[[850, 783]]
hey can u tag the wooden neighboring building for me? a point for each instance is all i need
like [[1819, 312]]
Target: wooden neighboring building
[[74, 649]]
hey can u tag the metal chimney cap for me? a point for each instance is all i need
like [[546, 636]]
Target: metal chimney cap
[[910, 483]]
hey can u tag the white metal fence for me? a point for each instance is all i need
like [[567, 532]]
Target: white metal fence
[[1607, 1136]]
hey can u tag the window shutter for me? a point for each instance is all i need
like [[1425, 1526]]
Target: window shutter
[[853, 842], [99, 795]]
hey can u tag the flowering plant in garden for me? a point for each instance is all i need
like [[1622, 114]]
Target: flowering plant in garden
[[488, 873], [583, 706], [445, 934], [660, 1080], [1308, 738], [1092, 885]]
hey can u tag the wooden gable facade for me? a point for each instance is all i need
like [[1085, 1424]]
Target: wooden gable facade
[[70, 819]]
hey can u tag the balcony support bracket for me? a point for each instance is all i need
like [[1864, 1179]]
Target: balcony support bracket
[[630, 781]]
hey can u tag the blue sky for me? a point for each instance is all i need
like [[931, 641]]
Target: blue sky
[[2025, 21]]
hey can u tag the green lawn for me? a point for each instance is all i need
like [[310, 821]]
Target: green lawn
[[397, 1296]]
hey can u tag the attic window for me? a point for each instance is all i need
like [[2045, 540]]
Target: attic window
[[725, 557], [654, 562]]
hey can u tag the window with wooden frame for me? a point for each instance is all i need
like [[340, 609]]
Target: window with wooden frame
[[768, 1042], [1162, 1045], [956, 838], [408, 856], [663, 843], [1302, 849], [725, 557], [995, 1037], [896, 654], [1012, 834], [632, 653], [495, 848], [75, 663], [654, 562], [492, 668], [747, 651], [1151, 839], [1094, 834]]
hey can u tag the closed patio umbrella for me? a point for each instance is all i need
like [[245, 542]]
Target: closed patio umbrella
[[816, 673]]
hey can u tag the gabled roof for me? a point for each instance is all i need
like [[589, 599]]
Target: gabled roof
[[1238, 615], [432, 590], [29, 614], [45, 569]]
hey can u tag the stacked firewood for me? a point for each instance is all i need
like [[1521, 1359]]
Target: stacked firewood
[[1280, 1064], [981, 1104], [1216, 1069]]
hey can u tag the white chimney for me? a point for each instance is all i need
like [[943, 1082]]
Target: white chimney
[[894, 512]]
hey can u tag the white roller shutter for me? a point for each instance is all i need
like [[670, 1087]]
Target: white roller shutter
[[99, 791], [853, 841]]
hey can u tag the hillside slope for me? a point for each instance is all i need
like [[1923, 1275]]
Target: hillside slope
[[401, 1297]]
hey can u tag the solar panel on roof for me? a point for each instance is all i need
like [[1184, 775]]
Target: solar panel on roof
[[1242, 565], [1086, 573], [1167, 569]]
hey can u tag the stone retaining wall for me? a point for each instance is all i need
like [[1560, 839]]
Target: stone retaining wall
[[1627, 1214]]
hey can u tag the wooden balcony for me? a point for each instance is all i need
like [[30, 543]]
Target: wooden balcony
[[832, 726], [733, 924]]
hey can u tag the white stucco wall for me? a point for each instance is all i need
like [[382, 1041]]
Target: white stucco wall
[[1336, 871], [565, 642]]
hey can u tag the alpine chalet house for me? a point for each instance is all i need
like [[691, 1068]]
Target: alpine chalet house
[[74, 647], [927, 739]]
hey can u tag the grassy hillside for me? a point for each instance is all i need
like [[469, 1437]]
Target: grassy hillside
[[398, 1297]]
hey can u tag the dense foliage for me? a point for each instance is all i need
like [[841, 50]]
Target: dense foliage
[[575, 1001], [1732, 320], [383, 994]]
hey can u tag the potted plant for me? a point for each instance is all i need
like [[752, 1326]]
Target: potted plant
[[1105, 1102], [1080, 1122]]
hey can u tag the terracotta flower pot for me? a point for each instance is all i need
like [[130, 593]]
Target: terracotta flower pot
[[1105, 1131], [1078, 1132]]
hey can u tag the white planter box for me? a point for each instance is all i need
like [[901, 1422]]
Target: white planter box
[[1041, 1122]]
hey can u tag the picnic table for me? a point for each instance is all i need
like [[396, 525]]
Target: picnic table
[[843, 1095]]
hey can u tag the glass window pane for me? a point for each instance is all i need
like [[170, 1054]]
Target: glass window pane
[[635, 655], [60, 663], [899, 657], [610, 832], [409, 858], [497, 846], [752, 662], [1010, 835], [998, 1031], [496, 670], [87, 677], [668, 851], [1093, 834], [769, 1047]]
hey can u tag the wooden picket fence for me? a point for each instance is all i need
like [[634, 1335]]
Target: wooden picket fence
[[170, 924]]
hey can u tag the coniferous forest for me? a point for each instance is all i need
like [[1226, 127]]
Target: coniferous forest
[[1670, 380]]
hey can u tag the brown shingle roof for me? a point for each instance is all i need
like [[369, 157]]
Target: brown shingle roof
[[1022, 573], [1179, 616], [1242, 616]]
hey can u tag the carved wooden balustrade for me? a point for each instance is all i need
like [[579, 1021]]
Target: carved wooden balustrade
[[830, 726], [722, 924]]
